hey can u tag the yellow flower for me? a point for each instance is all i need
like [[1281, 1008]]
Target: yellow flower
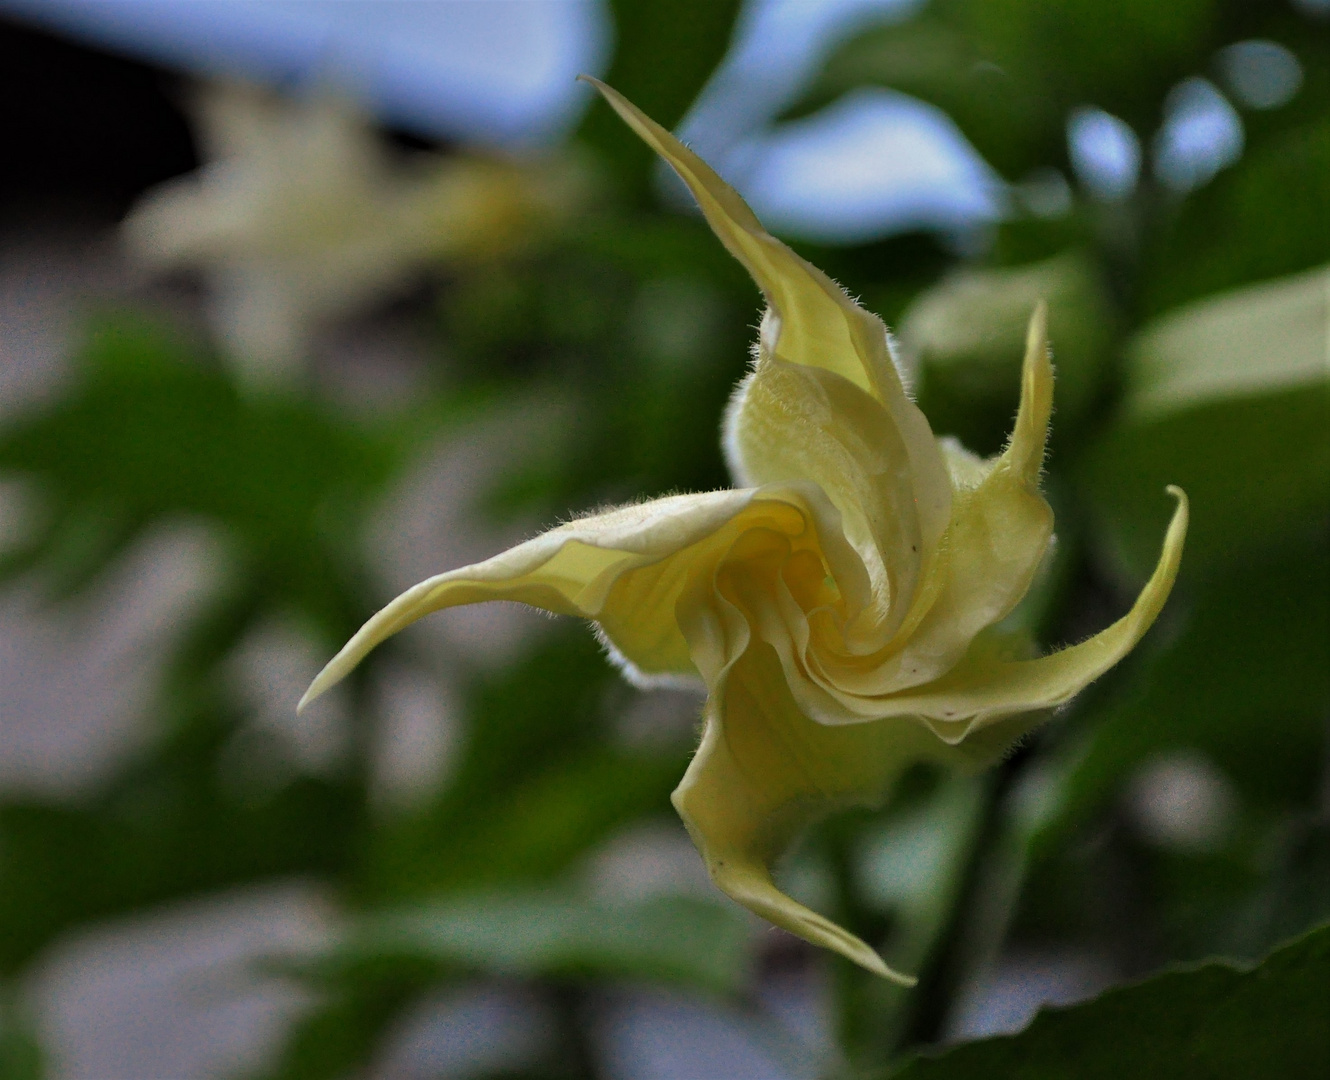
[[838, 604], [300, 215]]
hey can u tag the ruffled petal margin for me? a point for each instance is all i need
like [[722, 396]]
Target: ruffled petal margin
[[764, 771], [625, 568]]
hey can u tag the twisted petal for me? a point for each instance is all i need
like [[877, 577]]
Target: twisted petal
[[781, 427], [999, 532], [985, 689], [764, 771], [626, 568]]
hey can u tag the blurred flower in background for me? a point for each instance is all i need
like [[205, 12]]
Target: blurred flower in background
[[301, 216]]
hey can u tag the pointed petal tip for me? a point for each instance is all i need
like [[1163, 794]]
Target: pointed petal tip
[[748, 882], [1037, 331], [336, 669], [823, 932], [620, 104], [1037, 359], [818, 930], [1029, 437], [892, 975], [1177, 528], [315, 691]]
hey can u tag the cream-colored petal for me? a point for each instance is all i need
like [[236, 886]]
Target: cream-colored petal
[[816, 316], [569, 570], [764, 771], [626, 568], [811, 322], [818, 427], [984, 688], [1000, 527], [1000, 530]]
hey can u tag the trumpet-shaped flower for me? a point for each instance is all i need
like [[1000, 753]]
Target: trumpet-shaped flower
[[838, 604], [300, 215]]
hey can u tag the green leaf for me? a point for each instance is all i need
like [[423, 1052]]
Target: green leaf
[[21, 1056], [1263, 218], [1241, 688], [1009, 71], [1212, 1022], [702, 943], [1008, 122], [171, 836], [1246, 682], [1228, 399], [389, 957], [540, 780], [1122, 57], [342, 1033], [149, 432]]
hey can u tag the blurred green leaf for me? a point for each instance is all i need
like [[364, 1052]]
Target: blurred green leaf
[[1257, 340], [594, 321], [966, 336], [913, 864], [701, 943], [150, 432], [1243, 688], [1122, 57], [931, 58], [341, 1034], [1009, 71], [1263, 218], [1229, 399], [158, 837], [1215, 1021], [541, 780], [21, 1055], [390, 957], [1292, 26], [1246, 682]]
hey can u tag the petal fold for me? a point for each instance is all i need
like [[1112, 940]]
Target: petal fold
[[764, 771], [984, 688], [811, 322], [569, 570], [626, 568], [999, 533]]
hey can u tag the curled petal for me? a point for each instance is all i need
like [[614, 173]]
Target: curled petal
[[811, 322], [985, 689], [817, 320], [814, 425], [999, 533], [841, 611], [1000, 529], [568, 570], [764, 771], [626, 568]]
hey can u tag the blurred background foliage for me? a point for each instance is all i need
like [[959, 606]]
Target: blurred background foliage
[[1178, 810]]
